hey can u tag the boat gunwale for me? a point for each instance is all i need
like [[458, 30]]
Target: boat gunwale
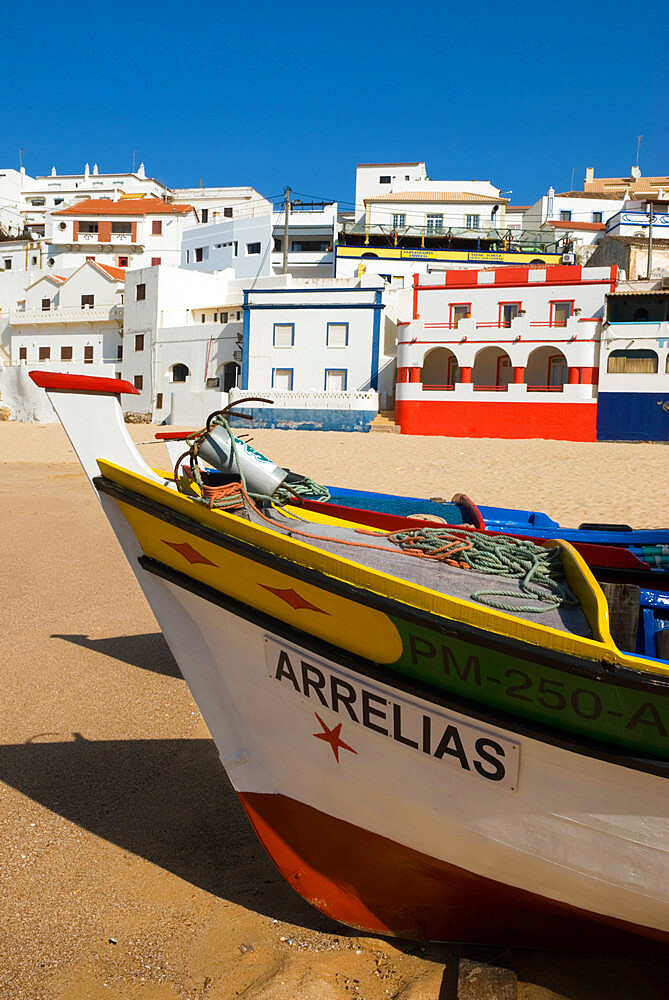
[[602, 668]]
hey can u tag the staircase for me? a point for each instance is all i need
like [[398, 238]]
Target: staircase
[[384, 422]]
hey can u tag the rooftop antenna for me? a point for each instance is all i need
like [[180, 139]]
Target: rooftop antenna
[[134, 154], [571, 182], [20, 157], [639, 139]]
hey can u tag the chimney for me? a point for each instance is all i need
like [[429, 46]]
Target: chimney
[[589, 175], [87, 171], [115, 195], [140, 171], [53, 171], [95, 168]]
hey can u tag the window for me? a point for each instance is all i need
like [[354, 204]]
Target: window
[[38, 202], [205, 214], [87, 301], [188, 256], [384, 179], [8, 263], [252, 248], [284, 334], [157, 227], [335, 380], [239, 315], [508, 312], [224, 317], [235, 249], [460, 310], [472, 221], [180, 373], [560, 313], [215, 317], [66, 354], [46, 305], [434, 223], [565, 215], [23, 353], [159, 401], [119, 352], [122, 228], [204, 317], [155, 261], [141, 292], [282, 378], [337, 335], [58, 201], [139, 341], [44, 353], [138, 382], [399, 221], [33, 260], [88, 355], [199, 254], [227, 212], [123, 262], [632, 362], [596, 216]]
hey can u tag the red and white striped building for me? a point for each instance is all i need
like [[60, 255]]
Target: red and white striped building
[[509, 353]]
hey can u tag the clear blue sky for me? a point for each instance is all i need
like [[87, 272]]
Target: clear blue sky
[[269, 94]]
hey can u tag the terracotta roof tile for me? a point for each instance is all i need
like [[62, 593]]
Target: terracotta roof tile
[[437, 197], [117, 273], [128, 206]]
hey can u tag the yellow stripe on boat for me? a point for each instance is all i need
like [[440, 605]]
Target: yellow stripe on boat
[[150, 532]]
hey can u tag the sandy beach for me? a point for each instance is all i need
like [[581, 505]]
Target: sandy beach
[[127, 868]]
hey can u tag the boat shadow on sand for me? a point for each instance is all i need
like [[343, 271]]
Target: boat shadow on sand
[[149, 651]]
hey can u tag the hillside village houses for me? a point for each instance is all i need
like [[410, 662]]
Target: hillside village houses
[[194, 302]]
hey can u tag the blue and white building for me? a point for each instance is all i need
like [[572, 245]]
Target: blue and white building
[[324, 354], [633, 398]]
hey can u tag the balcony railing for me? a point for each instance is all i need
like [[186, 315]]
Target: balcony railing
[[69, 314], [88, 238]]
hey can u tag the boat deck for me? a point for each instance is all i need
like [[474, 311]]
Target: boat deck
[[388, 558]]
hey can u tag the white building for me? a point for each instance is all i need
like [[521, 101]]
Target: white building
[[405, 223], [11, 202], [323, 352], [66, 322], [633, 219], [215, 204], [43, 194], [181, 330], [577, 219], [127, 232], [253, 246]]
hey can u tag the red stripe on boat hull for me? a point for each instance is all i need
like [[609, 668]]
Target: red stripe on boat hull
[[377, 885]]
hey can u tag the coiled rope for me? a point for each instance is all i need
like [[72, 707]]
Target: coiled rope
[[538, 569]]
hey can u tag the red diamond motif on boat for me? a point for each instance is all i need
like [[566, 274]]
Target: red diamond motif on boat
[[332, 737], [295, 600], [189, 553]]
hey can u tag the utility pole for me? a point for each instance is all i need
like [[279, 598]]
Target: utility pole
[[284, 269], [650, 240]]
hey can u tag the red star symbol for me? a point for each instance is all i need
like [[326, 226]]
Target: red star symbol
[[332, 737], [292, 597], [189, 553]]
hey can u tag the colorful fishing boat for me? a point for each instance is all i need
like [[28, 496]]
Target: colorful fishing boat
[[649, 547], [415, 760]]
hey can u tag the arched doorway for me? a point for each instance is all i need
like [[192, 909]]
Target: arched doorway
[[440, 368], [492, 369], [228, 375], [546, 369]]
